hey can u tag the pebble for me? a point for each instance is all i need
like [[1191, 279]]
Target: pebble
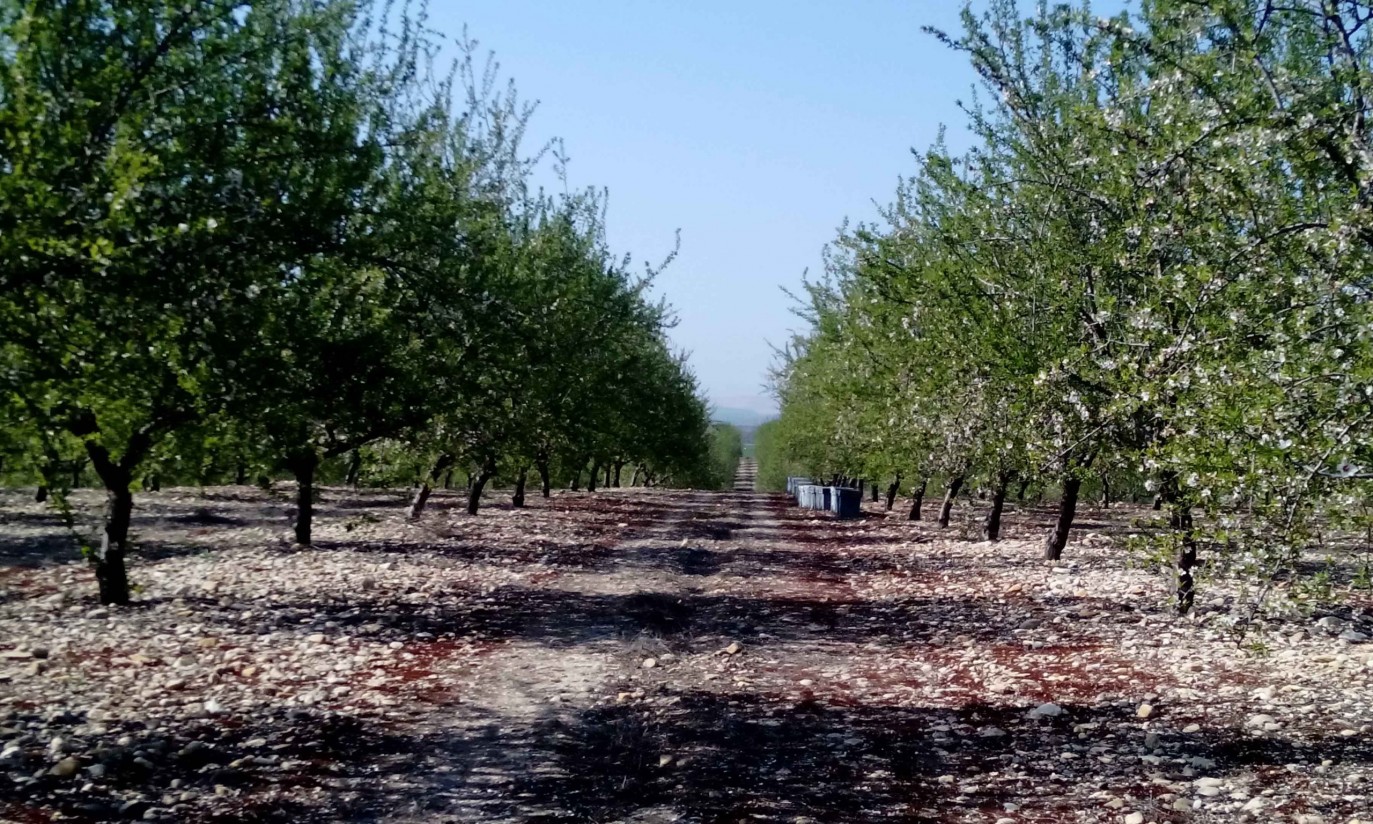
[[66, 768], [1134, 818], [1332, 624], [256, 637]]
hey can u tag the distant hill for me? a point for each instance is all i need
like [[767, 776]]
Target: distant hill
[[744, 418]]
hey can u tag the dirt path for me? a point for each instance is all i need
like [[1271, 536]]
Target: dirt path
[[524, 705], [652, 656]]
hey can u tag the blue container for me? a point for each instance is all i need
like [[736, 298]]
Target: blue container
[[845, 501], [826, 495]]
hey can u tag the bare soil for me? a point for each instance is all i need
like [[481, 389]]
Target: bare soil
[[640, 655]]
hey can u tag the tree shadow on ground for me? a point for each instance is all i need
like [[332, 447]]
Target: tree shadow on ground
[[36, 551], [256, 757], [561, 618], [736, 757], [699, 755]]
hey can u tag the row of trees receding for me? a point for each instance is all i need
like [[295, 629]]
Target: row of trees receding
[[1150, 273], [242, 240]]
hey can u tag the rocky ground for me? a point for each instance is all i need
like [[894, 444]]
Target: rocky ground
[[651, 656]]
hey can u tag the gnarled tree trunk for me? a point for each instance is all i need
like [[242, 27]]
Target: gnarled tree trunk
[[893, 488], [440, 467], [619, 465], [918, 500], [474, 495], [595, 476], [116, 476], [1067, 511], [950, 492], [991, 527], [517, 499], [110, 571]]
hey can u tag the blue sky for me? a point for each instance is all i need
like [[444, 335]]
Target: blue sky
[[753, 127]]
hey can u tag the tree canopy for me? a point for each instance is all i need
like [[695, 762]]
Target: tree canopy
[[1148, 272], [242, 240]]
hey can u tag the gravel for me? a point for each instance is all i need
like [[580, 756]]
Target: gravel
[[638, 655]]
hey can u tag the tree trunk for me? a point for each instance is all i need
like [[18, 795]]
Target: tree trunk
[[875, 492], [950, 493], [354, 468], [41, 494], [110, 572], [1158, 502], [595, 473], [420, 500], [152, 483], [77, 467], [576, 484], [241, 473], [441, 466], [634, 479], [517, 500], [1067, 510], [619, 465], [114, 544], [1181, 520], [478, 484], [303, 466], [448, 479], [1105, 489], [893, 488], [606, 485], [917, 500], [545, 481], [1020, 495], [991, 527]]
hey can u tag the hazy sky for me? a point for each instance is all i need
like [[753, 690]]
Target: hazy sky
[[753, 127]]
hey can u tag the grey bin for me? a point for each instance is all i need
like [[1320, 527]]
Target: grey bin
[[844, 501], [808, 496]]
